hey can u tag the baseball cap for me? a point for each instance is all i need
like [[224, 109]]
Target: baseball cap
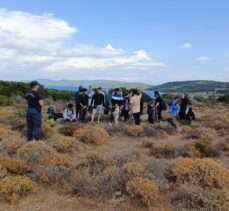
[[34, 83]]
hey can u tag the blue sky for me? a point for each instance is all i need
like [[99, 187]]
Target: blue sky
[[143, 40]]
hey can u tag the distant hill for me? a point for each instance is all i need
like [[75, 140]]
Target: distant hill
[[94, 83], [193, 86]]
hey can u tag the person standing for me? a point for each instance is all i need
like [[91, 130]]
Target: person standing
[[117, 98], [91, 92], [77, 102], [97, 104], [184, 106], [83, 105], [135, 102], [33, 114], [126, 109], [158, 106], [116, 114]]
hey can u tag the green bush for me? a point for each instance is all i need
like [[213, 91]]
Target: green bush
[[224, 98], [5, 101]]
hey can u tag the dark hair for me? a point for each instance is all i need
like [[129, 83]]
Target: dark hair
[[135, 92], [70, 105], [100, 88], [156, 93]]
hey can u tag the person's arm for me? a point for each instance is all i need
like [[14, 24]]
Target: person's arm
[[103, 99], [41, 102], [92, 100], [74, 114]]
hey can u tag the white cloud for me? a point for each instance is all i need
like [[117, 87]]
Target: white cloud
[[25, 30], [202, 59], [186, 45], [33, 45]]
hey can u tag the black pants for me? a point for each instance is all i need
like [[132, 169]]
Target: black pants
[[136, 118], [150, 118], [83, 113], [158, 115]]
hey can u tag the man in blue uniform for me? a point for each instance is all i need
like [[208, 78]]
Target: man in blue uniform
[[33, 115]]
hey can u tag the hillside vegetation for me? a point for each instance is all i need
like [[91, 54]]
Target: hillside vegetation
[[108, 167], [193, 86]]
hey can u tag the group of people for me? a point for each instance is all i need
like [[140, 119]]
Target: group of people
[[97, 102]]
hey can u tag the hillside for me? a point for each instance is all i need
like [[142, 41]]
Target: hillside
[[193, 86], [94, 83]]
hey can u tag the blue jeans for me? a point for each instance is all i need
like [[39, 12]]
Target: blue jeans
[[34, 120]]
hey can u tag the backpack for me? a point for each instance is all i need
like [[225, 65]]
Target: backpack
[[163, 105]]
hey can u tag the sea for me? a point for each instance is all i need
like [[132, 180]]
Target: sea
[[73, 88]]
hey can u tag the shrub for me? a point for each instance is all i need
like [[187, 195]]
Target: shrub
[[64, 144], [56, 159], [202, 133], [134, 169], [198, 198], [92, 134], [67, 129], [167, 151], [203, 172], [6, 113], [200, 149], [46, 130], [11, 146], [14, 166], [3, 172], [143, 191], [5, 101], [134, 130], [51, 175], [34, 151], [12, 188]]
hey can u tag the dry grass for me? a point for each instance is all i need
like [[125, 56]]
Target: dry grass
[[143, 191], [92, 134], [64, 144], [12, 188], [11, 146], [33, 151], [203, 172], [133, 130], [56, 159], [14, 166], [206, 134], [134, 169]]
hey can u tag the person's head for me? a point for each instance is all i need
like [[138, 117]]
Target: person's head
[[127, 99], [84, 91], [99, 90], [116, 105], [186, 95], [80, 88], [70, 106], [135, 92], [34, 85], [156, 94], [90, 87]]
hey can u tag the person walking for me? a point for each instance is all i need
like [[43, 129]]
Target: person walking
[[97, 104], [33, 113], [135, 104]]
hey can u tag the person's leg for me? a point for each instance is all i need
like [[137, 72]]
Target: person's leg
[[84, 113], [138, 118], [30, 126], [159, 115], [99, 117], [37, 121]]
